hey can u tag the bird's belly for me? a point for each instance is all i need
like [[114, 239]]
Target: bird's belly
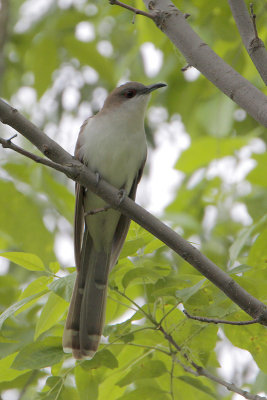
[[117, 159]]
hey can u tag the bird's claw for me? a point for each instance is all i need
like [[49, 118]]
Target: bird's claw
[[98, 177], [121, 195]]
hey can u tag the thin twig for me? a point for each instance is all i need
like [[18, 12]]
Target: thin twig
[[97, 210], [221, 321], [133, 9], [171, 310], [253, 18], [7, 143], [136, 305]]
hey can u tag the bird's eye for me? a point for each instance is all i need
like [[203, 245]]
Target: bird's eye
[[130, 93]]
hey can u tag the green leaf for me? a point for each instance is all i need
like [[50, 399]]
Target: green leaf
[[54, 267], [258, 175], [240, 269], [40, 354], [103, 358], [153, 245], [204, 150], [21, 222], [258, 253], [43, 48], [25, 260], [52, 312], [11, 310], [7, 372], [63, 287], [243, 237], [87, 384], [140, 275], [131, 247], [145, 392], [38, 285], [147, 369], [198, 385], [186, 293]]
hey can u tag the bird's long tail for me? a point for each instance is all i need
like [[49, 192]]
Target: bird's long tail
[[86, 314]]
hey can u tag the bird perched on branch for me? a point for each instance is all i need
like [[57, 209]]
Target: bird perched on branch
[[113, 145]]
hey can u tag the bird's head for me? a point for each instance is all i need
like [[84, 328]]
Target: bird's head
[[130, 97]]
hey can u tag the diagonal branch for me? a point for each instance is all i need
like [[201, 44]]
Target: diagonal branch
[[80, 173], [198, 54], [221, 321], [247, 28]]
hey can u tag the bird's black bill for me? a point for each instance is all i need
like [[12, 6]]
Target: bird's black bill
[[151, 88]]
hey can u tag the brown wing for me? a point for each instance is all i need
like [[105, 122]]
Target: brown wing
[[124, 223], [78, 223], [79, 208]]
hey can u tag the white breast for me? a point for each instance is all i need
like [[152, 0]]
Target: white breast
[[114, 146]]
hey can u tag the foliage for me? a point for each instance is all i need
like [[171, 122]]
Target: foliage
[[220, 205]]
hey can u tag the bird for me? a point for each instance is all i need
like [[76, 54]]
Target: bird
[[113, 145]]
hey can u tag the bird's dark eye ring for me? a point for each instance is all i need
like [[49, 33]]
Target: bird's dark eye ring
[[130, 93]]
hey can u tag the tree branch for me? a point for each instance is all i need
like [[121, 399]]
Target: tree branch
[[80, 173], [220, 321], [198, 54], [7, 144], [247, 28]]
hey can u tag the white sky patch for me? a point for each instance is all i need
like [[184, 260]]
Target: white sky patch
[[90, 10], [64, 4], [240, 115], [30, 11], [90, 75], [191, 74], [70, 98], [105, 48], [209, 219], [67, 132], [10, 394], [99, 96], [239, 213], [153, 59], [85, 110], [257, 145], [157, 189], [4, 265], [64, 249], [85, 31], [25, 97], [230, 170], [235, 362]]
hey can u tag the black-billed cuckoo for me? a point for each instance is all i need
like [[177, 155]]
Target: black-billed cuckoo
[[112, 144]]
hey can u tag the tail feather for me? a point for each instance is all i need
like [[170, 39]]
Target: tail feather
[[86, 315]]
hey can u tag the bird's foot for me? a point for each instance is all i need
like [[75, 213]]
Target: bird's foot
[[121, 195], [98, 177]]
